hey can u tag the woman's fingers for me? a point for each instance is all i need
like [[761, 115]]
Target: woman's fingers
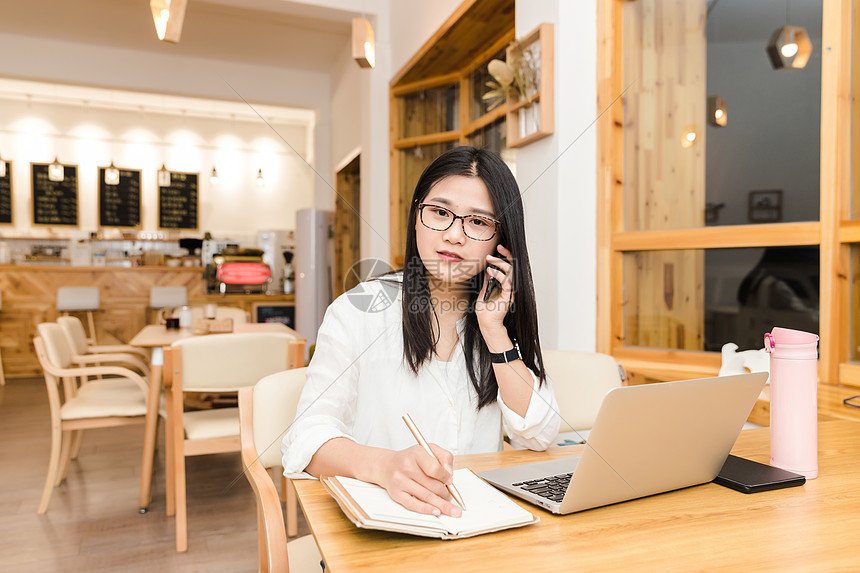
[[418, 480], [425, 501], [446, 458]]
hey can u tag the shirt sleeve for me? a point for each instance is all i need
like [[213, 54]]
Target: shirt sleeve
[[327, 402], [539, 428]]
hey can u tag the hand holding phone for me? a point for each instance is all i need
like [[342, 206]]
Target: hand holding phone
[[492, 282]]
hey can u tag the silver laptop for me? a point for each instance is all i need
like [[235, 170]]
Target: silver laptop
[[646, 439]]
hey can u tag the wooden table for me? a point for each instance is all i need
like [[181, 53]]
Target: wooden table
[[702, 528], [830, 404], [156, 337]]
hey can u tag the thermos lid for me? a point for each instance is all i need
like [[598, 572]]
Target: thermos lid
[[791, 343]]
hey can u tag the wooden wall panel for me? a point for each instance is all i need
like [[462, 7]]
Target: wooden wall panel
[[347, 223], [664, 181], [29, 297]]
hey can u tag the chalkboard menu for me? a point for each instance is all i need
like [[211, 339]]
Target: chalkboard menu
[[119, 205], [177, 203], [6, 196], [55, 202]]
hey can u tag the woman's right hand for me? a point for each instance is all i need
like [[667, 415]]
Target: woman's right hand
[[417, 481]]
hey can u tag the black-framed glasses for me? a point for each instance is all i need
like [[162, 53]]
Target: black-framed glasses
[[476, 227]]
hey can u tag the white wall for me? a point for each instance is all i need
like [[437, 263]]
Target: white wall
[[415, 22], [347, 102], [557, 177], [64, 62], [93, 134]]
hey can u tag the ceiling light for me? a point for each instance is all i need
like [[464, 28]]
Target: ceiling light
[[112, 175], [789, 47], [55, 171], [261, 181], [717, 115], [168, 16], [363, 43], [163, 177], [213, 177]]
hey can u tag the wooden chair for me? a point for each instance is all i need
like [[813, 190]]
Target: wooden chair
[[288, 494], [80, 299], [265, 412], [85, 353], [580, 381], [215, 363], [108, 402]]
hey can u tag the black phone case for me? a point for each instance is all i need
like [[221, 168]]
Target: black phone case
[[750, 477], [492, 282]]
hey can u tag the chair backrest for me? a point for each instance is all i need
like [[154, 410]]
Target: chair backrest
[[238, 315], [77, 298], [73, 328], [229, 361], [162, 296], [580, 380], [267, 327], [56, 345], [276, 398]]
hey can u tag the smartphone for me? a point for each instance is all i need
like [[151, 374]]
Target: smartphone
[[492, 282], [749, 476]]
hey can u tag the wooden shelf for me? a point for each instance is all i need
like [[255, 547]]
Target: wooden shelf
[[532, 118]]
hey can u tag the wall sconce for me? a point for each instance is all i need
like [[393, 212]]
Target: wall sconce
[[213, 177], [111, 175], [55, 171], [717, 115], [690, 135], [163, 177], [789, 47], [2, 167], [363, 43], [261, 182], [168, 16]]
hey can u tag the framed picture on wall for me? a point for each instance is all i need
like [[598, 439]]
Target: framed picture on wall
[[765, 206]]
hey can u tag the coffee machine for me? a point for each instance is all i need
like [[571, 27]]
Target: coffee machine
[[274, 243]]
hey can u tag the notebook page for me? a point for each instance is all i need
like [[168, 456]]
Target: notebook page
[[488, 508], [378, 505]]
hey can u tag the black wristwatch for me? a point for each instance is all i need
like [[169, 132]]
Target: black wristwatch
[[504, 357]]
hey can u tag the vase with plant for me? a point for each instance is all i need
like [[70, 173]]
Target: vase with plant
[[519, 79]]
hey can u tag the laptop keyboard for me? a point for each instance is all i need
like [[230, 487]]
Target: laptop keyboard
[[552, 487]]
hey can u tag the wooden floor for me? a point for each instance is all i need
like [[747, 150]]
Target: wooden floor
[[93, 522]]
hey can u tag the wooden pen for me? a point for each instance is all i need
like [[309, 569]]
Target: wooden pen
[[423, 443]]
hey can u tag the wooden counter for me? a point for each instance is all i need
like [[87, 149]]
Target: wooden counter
[[30, 294]]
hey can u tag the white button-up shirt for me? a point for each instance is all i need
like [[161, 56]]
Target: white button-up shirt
[[359, 385]]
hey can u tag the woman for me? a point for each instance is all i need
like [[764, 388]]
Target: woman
[[466, 370]]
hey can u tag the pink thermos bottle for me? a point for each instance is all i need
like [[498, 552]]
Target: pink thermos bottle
[[793, 400]]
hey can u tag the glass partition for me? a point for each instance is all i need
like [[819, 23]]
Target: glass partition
[[714, 134], [744, 293]]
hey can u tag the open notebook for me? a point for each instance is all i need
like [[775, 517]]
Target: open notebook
[[369, 506]]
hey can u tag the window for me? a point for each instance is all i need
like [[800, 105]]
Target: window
[[702, 219]]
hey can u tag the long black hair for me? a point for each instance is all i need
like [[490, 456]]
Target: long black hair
[[521, 321]]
